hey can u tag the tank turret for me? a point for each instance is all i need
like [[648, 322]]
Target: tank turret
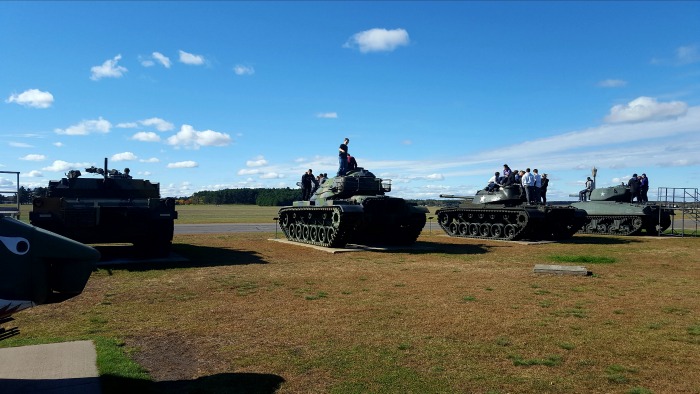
[[114, 208], [353, 209], [610, 212], [504, 214]]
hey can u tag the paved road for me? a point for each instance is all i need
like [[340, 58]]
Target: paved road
[[225, 228]]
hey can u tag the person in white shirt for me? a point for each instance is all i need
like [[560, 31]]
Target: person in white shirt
[[538, 185], [528, 182]]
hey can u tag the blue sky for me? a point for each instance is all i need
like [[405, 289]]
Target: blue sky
[[433, 95]]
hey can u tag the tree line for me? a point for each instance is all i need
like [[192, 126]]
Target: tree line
[[261, 196]]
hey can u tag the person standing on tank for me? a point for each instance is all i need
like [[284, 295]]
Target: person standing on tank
[[643, 188], [306, 181], [528, 182], [538, 186], [633, 184], [343, 157], [543, 189]]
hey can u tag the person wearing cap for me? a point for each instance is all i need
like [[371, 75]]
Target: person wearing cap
[[643, 188], [543, 189]]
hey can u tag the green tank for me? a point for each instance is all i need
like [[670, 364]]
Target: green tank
[[503, 214], [353, 209], [610, 212], [114, 208], [38, 266]]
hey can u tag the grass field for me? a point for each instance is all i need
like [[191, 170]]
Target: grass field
[[449, 315]]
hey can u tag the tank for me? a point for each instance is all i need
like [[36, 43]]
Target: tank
[[353, 209], [504, 214], [38, 266], [609, 212], [114, 208]]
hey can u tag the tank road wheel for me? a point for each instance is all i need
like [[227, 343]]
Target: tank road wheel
[[330, 235], [444, 219], [474, 229], [284, 219], [497, 230], [522, 219], [322, 238], [463, 229], [313, 233], [509, 231], [484, 230], [601, 228], [292, 232], [305, 232], [336, 218], [299, 232], [454, 228]]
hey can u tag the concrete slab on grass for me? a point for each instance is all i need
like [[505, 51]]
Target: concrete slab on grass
[[560, 269], [56, 368], [523, 242], [349, 247]]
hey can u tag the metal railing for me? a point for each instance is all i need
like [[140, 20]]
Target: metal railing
[[686, 204], [10, 209]]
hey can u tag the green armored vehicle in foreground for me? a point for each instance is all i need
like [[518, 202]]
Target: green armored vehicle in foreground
[[610, 212], [503, 214], [37, 266], [353, 209], [114, 208]]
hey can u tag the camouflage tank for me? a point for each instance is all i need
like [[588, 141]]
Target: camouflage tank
[[112, 209], [37, 266], [610, 212], [353, 209], [503, 214]]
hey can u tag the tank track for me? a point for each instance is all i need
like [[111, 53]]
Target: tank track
[[614, 225], [505, 224], [322, 226]]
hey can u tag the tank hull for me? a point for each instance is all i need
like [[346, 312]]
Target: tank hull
[[376, 220], [623, 218], [510, 223]]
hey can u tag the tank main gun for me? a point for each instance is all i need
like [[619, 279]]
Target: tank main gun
[[465, 198]]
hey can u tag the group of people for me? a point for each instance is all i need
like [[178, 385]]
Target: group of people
[[309, 183], [533, 185], [638, 185]]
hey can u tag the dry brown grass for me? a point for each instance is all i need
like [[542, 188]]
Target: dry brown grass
[[450, 315]]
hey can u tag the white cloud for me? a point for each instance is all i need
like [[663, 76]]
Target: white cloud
[[108, 69], [378, 40], [33, 158], [243, 70], [612, 83], [146, 136], [127, 125], [191, 59], [407, 142], [271, 175], [60, 165], [58, 144], [162, 59], [87, 127], [151, 160], [183, 164], [435, 177], [34, 98], [35, 174], [246, 171], [19, 145], [645, 108], [160, 124], [191, 138], [258, 162], [327, 115], [124, 156]]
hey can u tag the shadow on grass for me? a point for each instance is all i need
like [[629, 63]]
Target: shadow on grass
[[187, 256], [599, 240], [254, 383], [423, 247]]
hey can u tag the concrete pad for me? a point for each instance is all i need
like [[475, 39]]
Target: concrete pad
[[561, 270], [57, 368], [347, 248], [523, 242]]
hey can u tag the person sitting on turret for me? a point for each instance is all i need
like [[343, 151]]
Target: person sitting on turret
[[584, 194], [493, 182]]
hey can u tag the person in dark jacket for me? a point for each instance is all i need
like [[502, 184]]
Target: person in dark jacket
[[643, 188], [633, 184], [307, 180], [543, 189]]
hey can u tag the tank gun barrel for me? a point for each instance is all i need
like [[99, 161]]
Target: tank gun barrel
[[465, 198]]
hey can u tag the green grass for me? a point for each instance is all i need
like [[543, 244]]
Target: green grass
[[582, 259]]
